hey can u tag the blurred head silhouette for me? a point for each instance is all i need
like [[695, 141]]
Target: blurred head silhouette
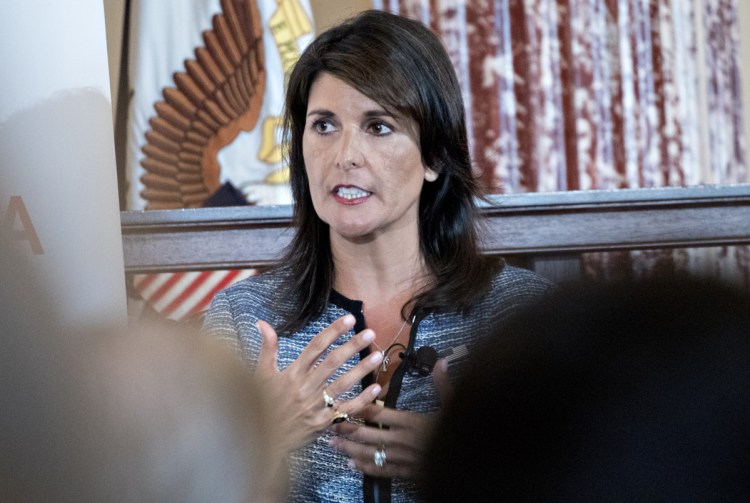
[[146, 415], [607, 392]]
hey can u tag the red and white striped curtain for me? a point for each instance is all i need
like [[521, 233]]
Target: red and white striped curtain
[[600, 94]]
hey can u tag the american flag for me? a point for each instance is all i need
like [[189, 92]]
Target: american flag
[[180, 296]]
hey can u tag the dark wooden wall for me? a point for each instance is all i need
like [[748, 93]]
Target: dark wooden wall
[[546, 231]]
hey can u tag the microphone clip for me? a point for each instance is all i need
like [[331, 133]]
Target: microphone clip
[[422, 361]]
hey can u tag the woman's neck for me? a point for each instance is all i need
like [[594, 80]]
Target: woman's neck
[[377, 269]]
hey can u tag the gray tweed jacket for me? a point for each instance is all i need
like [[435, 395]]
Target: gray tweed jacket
[[318, 473]]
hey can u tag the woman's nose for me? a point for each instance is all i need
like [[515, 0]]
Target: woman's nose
[[350, 154]]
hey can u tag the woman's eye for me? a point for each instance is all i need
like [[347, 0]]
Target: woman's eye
[[322, 126], [380, 128]]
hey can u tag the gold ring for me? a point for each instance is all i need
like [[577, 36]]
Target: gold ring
[[339, 417]]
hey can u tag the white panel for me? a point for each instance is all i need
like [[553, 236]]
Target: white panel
[[57, 153]]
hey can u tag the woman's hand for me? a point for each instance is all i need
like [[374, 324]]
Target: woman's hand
[[403, 443], [297, 392]]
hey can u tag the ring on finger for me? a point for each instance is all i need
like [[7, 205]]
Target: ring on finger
[[327, 399], [339, 417], [379, 457]]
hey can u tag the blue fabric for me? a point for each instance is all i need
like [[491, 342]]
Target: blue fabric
[[318, 473]]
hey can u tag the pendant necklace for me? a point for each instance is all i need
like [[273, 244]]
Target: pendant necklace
[[386, 357]]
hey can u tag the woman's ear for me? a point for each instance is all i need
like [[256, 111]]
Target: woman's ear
[[430, 174]]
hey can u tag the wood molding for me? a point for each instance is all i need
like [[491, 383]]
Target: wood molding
[[529, 225]]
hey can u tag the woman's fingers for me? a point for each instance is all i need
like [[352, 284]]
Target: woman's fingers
[[403, 441], [334, 359], [353, 407], [309, 360], [319, 344], [269, 350], [337, 357], [396, 421], [304, 407], [383, 458], [322, 370], [363, 453]]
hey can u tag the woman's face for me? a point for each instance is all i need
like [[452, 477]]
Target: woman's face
[[363, 164]]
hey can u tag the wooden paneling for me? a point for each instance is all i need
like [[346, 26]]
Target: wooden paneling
[[536, 227]]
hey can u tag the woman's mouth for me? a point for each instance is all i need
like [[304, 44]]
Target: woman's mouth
[[350, 194]]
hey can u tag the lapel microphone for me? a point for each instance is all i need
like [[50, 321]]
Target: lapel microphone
[[421, 361]]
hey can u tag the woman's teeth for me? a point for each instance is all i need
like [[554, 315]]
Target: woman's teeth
[[351, 193]]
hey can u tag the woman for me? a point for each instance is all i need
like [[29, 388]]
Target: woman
[[384, 261]]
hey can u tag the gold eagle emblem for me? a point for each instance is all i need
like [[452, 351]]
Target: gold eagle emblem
[[218, 95]]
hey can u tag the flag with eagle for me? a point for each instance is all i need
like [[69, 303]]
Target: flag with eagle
[[206, 81]]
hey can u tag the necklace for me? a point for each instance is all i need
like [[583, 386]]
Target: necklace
[[386, 357]]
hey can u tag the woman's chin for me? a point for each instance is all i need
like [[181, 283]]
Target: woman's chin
[[359, 233]]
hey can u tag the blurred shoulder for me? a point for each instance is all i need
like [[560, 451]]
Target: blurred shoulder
[[260, 295], [513, 279], [513, 287], [263, 284]]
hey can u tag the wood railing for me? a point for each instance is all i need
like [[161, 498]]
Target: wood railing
[[547, 231]]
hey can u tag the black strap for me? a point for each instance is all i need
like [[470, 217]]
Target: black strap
[[378, 489]]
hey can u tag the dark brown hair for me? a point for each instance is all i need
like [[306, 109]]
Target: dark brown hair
[[400, 64]]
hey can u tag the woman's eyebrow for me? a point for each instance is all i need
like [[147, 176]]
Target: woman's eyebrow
[[369, 114], [379, 114], [322, 112]]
